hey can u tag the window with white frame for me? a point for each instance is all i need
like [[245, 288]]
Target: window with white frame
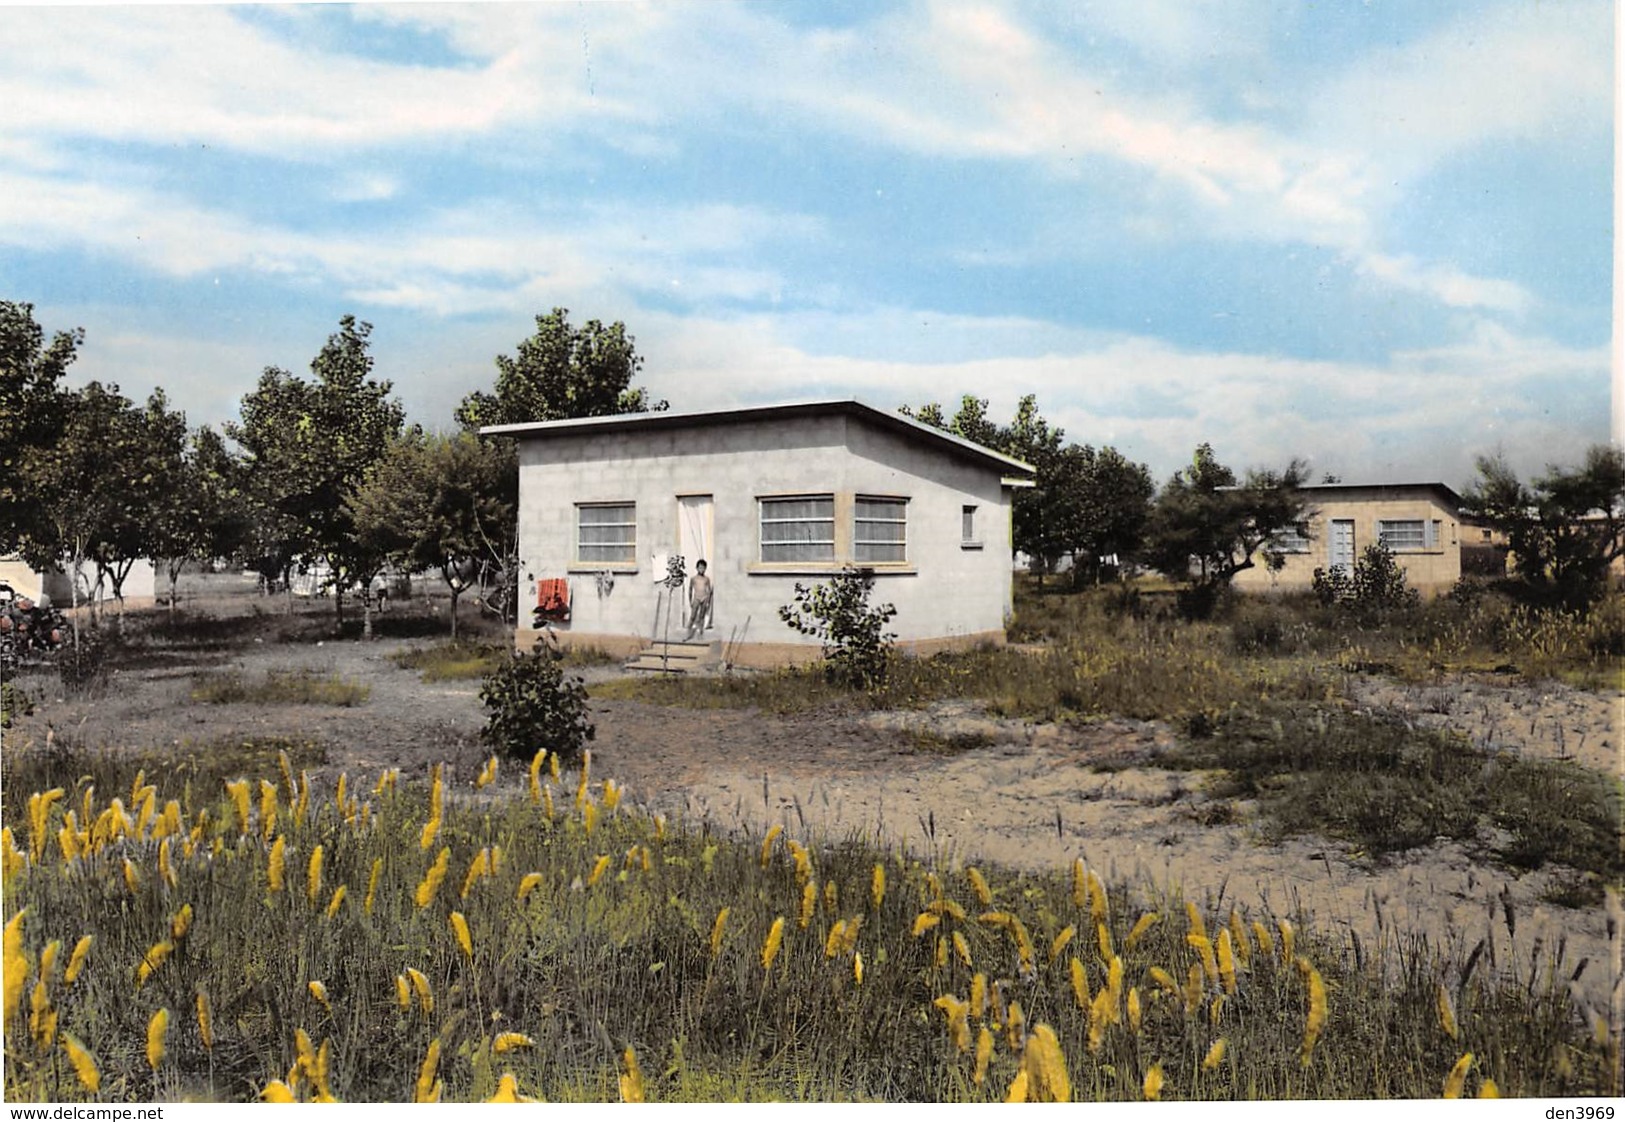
[[607, 533], [1403, 535], [879, 530], [1290, 539], [801, 528]]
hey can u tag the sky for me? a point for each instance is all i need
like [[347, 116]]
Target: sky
[[1375, 236]]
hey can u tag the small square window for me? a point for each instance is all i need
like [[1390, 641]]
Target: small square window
[[607, 533], [967, 524]]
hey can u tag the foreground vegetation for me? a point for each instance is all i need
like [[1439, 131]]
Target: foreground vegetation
[[190, 933]]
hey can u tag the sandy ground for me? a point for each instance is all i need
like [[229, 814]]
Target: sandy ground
[[1027, 797]]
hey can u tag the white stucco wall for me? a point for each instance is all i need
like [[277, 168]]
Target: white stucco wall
[[943, 590]]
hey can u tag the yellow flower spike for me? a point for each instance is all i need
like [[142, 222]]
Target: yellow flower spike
[[47, 959], [372, 885], [1261, 934], [268, 809], [1215, 1056], [155, 957], [1099, 912], [770, 947], [984, 1053], [1447, 1012], [1215, 1011], [1145, 923], [276, 864], [144, 817], [924, 922], [277, 1091], [1114, 982], [487, 775], [831, 897], [285, 766], [432, 879], [403, 992], [584, 778], [534, 776], [1014, 1026], [459, 928], [1454, 1082], [1241, 944], [809, 904], [421, 985], [84, 1064], [341, 792], [832, 942], [166, 870], [237, 789], [181, 924], [660, 827], [553, 767], [302, 804], [12, 859], [1080, 983], [632, 1080], [131, 880], [802, 859], [939, 957], [1080, 894], [1134, 1010], [41, 1017], [156, 1028], [425, 1089], [612, 795], [1060, 942], [1316, 1019], [319, 992], [962, 949], [1152, 1088], [1018, 1088], [477, 868], [76, 960], [507, 1090], [205, 1020], [1193, 990], [877, 886], [849, 938], [857, 969], [716, 932], [1194, 923], [1046, 1066], [1227, 961], [976, 1007], [589, 816], [1204, 948], [508, 1041], [1103, 942], [547, 801], [67, 840], [1166, 981], [313, 876], [600, 867], [437, 787], [1288, 937], [979, 887], [1489, 1090]]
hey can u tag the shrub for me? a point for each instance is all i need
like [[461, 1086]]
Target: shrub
[[533, 705], [1372, 587], [81, 663], [14, 702], [857, 648]]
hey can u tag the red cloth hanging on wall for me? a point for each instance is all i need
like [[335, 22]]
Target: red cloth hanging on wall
[[553, 600]]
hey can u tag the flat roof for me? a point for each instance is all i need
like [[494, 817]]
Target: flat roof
[[655, 422], [1442, 490]]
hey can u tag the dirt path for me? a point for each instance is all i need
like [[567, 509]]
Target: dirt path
[[1028, 797]]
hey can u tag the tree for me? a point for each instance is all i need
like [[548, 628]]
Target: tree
[[1564, 530], [442, 502], [32, 411], [1083, 504], [143, 480], [309, 446], [204, 514], [562, 371], [1205, 527]]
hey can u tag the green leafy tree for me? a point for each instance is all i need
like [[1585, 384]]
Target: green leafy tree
[[309, 445], [446, 503], [33, 407], [204, 515], [534, 705], [1206, 526], [1565, 529], [562, 371], [856, 644]]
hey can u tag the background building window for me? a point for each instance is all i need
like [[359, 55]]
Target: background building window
[[967, 525], [607, 533], [1408, 534], [800, 529], [1290, 539], [880, 530]]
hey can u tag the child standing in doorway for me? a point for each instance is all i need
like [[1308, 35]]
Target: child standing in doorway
[[699, 601]]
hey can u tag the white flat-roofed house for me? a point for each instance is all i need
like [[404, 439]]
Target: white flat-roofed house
[[767, 496]]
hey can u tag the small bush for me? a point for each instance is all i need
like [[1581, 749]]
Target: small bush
[[81, 663], [533, 705], [14, 702], [1373, 587], [857, 648]]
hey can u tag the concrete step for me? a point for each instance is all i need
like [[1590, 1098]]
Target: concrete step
[[675, 657]]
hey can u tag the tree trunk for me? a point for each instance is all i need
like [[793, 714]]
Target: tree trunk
[[174, 583], [455, 593], [366, 614]]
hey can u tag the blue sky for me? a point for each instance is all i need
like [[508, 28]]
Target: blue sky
[[1374, 235]]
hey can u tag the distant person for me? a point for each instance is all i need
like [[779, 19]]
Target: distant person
[[700, 591]]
